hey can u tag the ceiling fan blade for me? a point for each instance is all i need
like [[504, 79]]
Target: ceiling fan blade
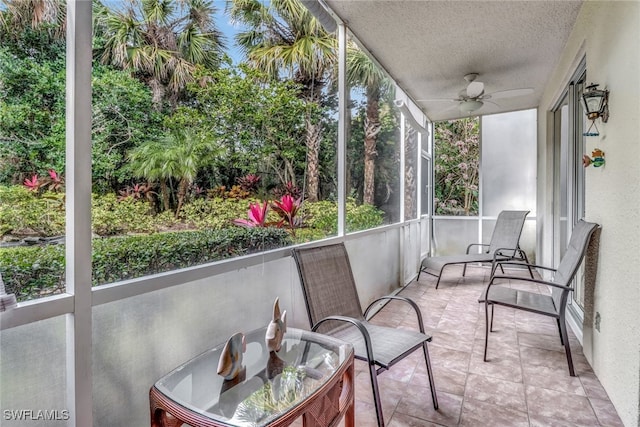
[[475, 89], [437, 100], [508, 93]]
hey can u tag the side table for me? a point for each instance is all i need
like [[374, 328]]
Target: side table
[[310, 377]]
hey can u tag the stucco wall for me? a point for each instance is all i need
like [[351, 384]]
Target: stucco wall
[[608, 33]]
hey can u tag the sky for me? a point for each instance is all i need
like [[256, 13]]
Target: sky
[[229, 31]]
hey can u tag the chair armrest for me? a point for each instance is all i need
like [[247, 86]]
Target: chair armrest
[[524, 264], [475, 244], [403, 299], [355, 322], [527, 279], [483, 298]]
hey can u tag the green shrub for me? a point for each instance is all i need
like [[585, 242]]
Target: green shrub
[[323, 216], [33, 271], [110, 216], [24, 213], [216, 213], [30, 272]]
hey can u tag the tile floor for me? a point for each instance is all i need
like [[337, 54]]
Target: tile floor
[[525, 382]]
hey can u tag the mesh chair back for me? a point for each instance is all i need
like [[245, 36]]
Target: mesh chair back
[[572, 258], [506, 233], [327, 283]]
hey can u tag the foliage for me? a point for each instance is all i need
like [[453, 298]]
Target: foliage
[[457, 161], [249, 183], [289, 188], [160, 41], [122, 118], [283, 39], [178, 155], [287, 208], [31, 272], [53, 182], [257, 216], [387, 162], [23, 213], [215, 213], [111, 216], [256, 126], [323, 216], [31, 116]]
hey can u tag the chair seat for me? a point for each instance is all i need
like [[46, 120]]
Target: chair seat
[[521, 299], [389, 344]]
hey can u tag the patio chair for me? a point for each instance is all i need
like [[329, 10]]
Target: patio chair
[[553, 305], [504, 246], [334, 308]]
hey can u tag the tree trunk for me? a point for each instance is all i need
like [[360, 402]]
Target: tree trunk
[[157, 93], [371, 131], [165, 195], [182, 194], [313, 160], [410, 181]]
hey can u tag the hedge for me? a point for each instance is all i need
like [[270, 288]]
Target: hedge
[[36, 271]]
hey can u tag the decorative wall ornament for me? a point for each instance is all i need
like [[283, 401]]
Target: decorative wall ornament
[[230, 363], [596, 160], [276, 329]]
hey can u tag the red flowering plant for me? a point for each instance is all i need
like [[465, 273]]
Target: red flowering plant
[[257, 216], [288, 208], [32, 184], [54, 182]]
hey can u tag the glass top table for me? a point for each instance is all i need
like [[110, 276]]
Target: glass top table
[[311, 376]]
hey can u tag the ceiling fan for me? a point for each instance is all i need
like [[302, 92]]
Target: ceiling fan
[[473, 98]]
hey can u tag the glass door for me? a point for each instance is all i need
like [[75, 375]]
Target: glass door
[[569, 195]]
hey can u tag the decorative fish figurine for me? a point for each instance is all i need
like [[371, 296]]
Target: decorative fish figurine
[[276, 329], [230, 363]]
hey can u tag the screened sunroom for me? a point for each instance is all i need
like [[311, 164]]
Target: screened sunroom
[[87, 352]]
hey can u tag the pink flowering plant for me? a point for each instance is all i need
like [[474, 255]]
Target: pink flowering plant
[[257, 214], [288, 208], [53, 182]]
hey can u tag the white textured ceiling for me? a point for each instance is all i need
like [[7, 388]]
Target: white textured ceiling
[[428, 46]]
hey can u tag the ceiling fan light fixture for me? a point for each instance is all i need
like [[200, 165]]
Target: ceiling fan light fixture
[[470, 105]]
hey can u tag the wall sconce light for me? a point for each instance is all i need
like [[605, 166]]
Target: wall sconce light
[[596, 104]]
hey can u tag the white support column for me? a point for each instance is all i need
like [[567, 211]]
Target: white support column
[[403, 229], [78, 212], [343, 122]]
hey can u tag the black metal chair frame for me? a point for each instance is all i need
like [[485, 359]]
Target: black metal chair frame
[[363, 326], [499, 254], [553, 305]]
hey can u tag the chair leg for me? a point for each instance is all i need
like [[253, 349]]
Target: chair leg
[[486, 328], [526, 260], [419, 271], [432, 384], [493, 307], [439, 276], [560, 331], [464, 269], [567, 349], [376, 394]]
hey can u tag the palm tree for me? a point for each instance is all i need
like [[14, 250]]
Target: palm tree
[[362, 71], [161, 42], [283, 39], [17, 15], [179, 155]]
